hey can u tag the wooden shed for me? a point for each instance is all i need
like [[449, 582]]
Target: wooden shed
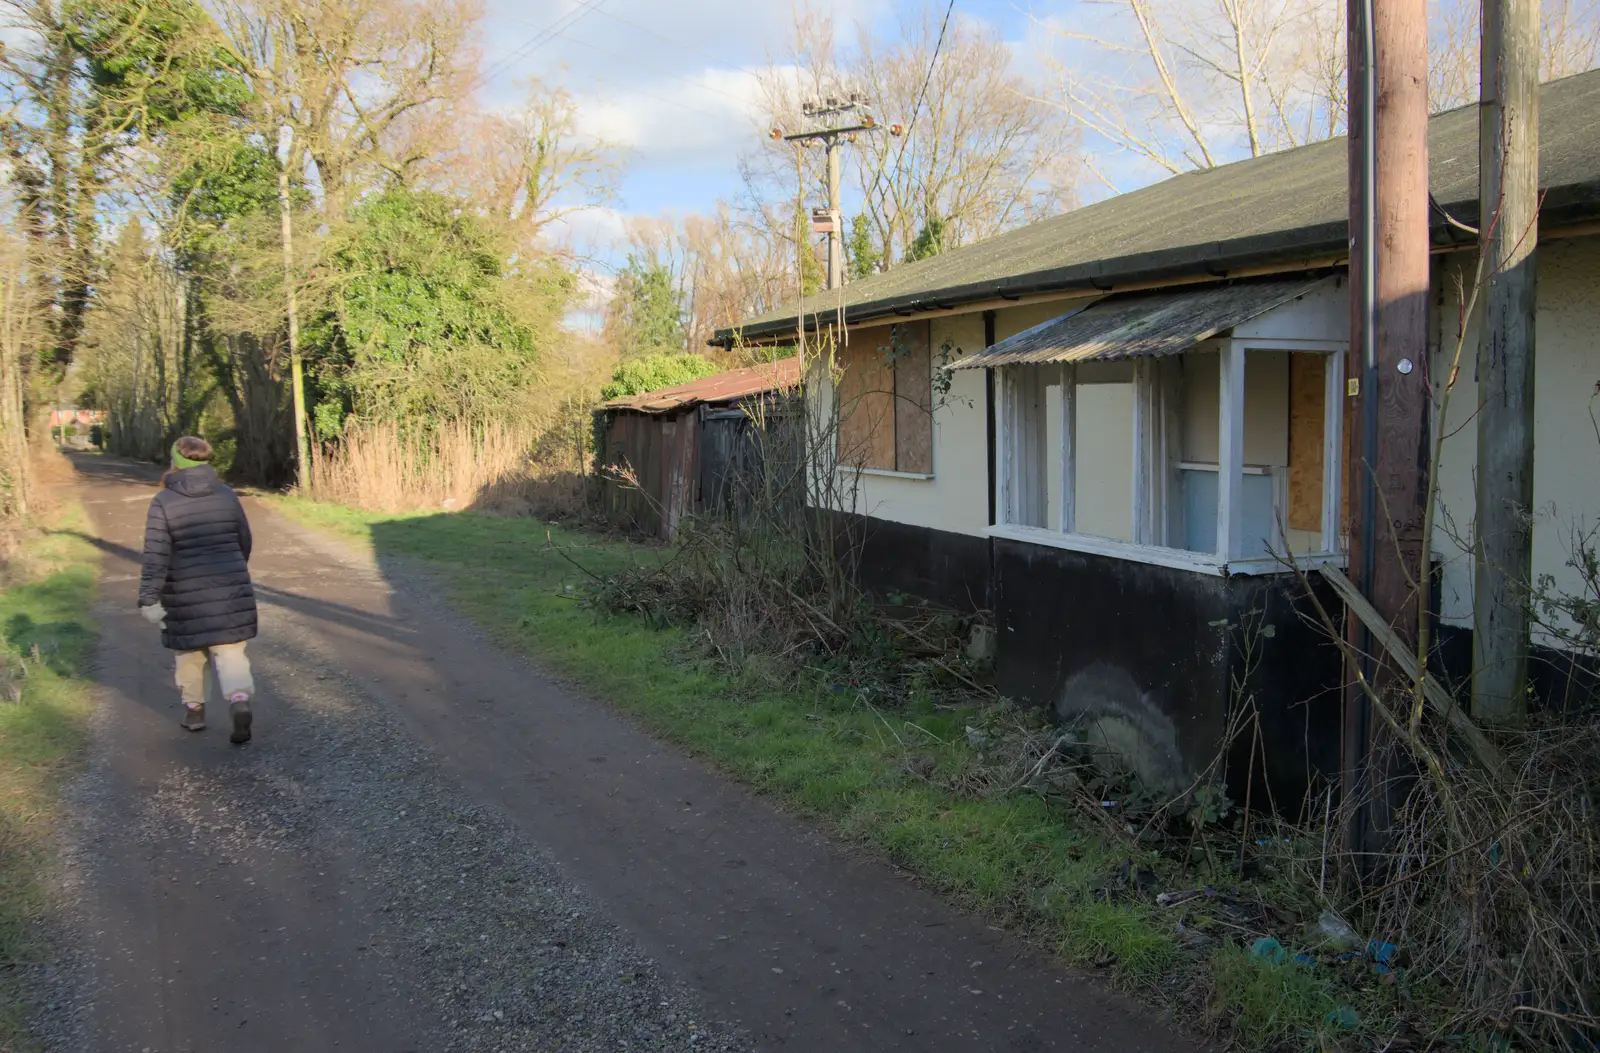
[[696, 447]]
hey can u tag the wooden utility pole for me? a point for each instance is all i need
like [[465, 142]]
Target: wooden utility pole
[[302, 467], [1389, 264], [831, 220], [835, 218], [1508, 211]]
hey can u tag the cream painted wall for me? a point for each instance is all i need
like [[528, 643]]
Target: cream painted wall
[[956, 498], [1566, 486], [1009, 321], [1321, 315]]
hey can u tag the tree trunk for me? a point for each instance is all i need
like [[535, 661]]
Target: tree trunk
[[58, 152], [258, 395]]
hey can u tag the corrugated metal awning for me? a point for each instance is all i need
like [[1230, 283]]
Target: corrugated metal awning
[[1139, 325]]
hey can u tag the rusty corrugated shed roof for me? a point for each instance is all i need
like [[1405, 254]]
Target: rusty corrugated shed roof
[[1138, 325], [723, 387]]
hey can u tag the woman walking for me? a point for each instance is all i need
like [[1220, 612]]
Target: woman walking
[[196, 584]]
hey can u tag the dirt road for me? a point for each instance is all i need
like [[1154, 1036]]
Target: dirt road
[[430, 846]]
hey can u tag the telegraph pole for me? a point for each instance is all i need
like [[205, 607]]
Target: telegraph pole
[[1390, 280], [830, 221], [1508, 234]]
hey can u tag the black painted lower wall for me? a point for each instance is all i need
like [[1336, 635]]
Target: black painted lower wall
[[950, 569], [1560, 681], [1148, 655], [1171, 667]]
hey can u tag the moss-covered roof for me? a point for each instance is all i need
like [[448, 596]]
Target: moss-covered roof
[[1263, 212]]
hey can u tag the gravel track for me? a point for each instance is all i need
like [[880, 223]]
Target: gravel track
[[476, 941]]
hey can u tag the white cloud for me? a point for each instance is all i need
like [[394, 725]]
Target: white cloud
[[664, 79], [704, 110], [589, 231]]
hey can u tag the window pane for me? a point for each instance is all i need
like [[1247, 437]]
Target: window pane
[[1202, 405], [1260, 517], [1052, 460], [1200, 510]]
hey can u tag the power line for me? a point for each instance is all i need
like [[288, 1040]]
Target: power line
[[916, 108], [923, 94], [659, 68], [716, 62], [652, 95], [541, 38]]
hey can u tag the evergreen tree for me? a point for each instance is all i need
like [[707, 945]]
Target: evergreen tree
[[654, 372], [864, 254], [647, 313], [813, 274], [929, 240]]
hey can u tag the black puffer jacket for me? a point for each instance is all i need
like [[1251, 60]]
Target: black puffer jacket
[[196, 553]]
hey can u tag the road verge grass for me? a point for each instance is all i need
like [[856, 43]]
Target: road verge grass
[[889, 777], [46, 641]]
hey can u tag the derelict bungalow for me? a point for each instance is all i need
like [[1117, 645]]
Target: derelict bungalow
[[1144, 419]]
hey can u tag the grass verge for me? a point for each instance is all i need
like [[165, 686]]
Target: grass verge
[[894, 778], [46, 638]]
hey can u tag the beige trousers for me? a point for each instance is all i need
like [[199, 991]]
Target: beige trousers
[[233, 672]]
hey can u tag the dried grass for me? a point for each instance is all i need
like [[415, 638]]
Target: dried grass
[[1489, 886], [492, 467]]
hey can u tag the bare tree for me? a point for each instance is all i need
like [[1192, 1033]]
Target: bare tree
[[136, 362], [1569, 37], [1186, 84], [531, 167], [55, 157], [364, 84], [21, 322], [981, 152]]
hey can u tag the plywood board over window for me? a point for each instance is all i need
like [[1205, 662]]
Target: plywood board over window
[[913, 388], [866, 395], [886, 399], [1307, 410]]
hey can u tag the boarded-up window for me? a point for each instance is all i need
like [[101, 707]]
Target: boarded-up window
[[1307, 408], [886, 399]]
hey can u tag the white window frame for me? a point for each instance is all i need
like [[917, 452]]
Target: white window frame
[[1020, 463]]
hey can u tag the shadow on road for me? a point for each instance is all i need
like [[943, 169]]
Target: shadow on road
[[103, 469], [352, 617]]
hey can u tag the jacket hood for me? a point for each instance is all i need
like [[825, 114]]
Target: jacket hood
[[193, 482]]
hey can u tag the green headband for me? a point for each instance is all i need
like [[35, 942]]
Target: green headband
[[180, 461]]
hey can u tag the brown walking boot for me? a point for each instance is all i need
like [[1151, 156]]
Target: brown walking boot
[[239, 710], [194, 717]]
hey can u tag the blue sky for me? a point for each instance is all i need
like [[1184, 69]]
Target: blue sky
[[672, 81]]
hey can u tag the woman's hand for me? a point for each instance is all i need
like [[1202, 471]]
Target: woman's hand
[[155, 614]]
